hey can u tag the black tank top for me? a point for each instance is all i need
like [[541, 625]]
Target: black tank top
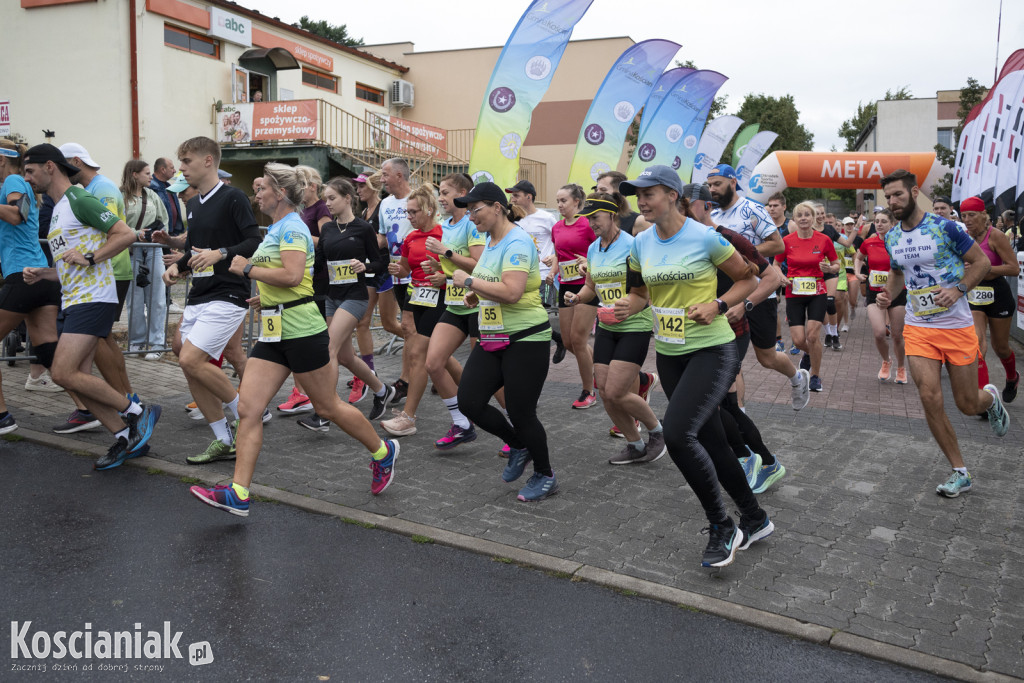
[[626, 222]]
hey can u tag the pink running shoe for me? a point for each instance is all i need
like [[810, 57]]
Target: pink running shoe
[[455, 436], [384, 470], [359, 391], [296, 403], [505, 451], [586, 400]]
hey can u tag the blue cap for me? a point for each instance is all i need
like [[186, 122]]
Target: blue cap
[[651, 176], [222, 174], [724, 170]]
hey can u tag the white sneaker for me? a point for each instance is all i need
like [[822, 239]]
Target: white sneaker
[[43, 383], [175, 308], [844, 328], [153, 356]]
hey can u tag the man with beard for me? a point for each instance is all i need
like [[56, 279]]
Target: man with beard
[[939, 264], [750, 219]]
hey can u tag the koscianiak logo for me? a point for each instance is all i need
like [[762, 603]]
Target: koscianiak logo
[[86, 649]]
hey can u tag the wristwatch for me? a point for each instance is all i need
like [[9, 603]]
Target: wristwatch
[[748, 305], [90, 257], [224, 252], [722, 306], [448, 254], [245, 271], [963, 290], [468, 284]]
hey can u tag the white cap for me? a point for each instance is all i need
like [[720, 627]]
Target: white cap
[[72, 150]]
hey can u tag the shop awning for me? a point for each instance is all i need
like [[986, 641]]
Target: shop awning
[[278, 56]]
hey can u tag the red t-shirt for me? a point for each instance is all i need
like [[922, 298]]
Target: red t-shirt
[[414, 248], [877, 255], [572, 241], [802, 257]]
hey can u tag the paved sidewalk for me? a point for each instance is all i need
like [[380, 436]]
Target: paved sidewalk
[[863, 544]]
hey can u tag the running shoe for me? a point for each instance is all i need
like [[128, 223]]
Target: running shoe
[[998, 418], [617, 433], [217, 450], [955, 485], [189, 407], [901, 376], [350, 382], [517, 459], [755, 529], [793, 350], [79, 421], [153, 356], [629, 455], [559, 348], [655, 446], [267, 415], [314, 423], [538, 487], [114, 457], [586, 400], [802, 391], [766, 476], [401, 390], [647, 387], [359, 391], [196, 414], [815, 384], [886, 372], [805, 362], [296, 403], [505, 450], [751, 466], [780, 346], [845, 327], [380, 403], [723, 542], [140, 427], [43, 383], [1010, 390], [853, 314], [828, 341], [401, 424], [455, 436], [8, 424], [384, 470], [836, 344], [224, 498]]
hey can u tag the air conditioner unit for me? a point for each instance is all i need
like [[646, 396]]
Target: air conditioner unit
[[402, 94]]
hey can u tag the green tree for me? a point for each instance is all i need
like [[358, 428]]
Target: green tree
[[338, 34], [970, 95], [852, 127]]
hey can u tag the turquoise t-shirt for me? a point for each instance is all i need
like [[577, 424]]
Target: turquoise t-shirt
[[516, 251], [607, 268], [289, 234], [680, 272], [19, 244], [458, 237]]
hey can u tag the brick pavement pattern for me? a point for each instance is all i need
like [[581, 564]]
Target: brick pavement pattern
[[862, 542]]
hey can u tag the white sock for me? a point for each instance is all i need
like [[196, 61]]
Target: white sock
[[221, 431], [452, 404], [123, 434], [639, 445], [961, 470], [233, 406], [743, 409], [132, 409], [383, 390], [794, 381]]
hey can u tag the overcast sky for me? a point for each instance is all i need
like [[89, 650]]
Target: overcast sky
[[829, 54]]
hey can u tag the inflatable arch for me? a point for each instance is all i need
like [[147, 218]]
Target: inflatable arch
[[838, 170]]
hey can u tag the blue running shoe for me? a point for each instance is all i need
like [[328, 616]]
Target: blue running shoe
[[723, 542], [805, 362], [140, 427], [793, 350], [139, 453], [751, 465], [997, 415], [754, 530], [538, 487], [114, 457], [766, 476], [224, 498], [780, 346], [955, 485], [517, 459], [815, 384]]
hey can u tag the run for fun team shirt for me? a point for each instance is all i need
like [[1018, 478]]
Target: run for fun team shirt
[[608, 268], [802, 257], [877, 257], [19, 244], [930, 255], [681, 272], [289, 234], [515, 251], [458, 237], [81, 222], [748, 218], [394, 225]]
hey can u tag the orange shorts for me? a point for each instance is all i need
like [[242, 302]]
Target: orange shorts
[[956, 346]]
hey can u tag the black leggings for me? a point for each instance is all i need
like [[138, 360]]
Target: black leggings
[[521, 368], [751, 434], [693, 429]]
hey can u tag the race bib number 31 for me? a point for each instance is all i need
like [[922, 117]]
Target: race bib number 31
[[924, 301], [670, 325]]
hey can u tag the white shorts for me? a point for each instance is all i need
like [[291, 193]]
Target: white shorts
[[210, 326]]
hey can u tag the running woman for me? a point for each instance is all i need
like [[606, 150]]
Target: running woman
[[572, 236], [347, 248], [884, 322], [19, 249], [84, 235], [368, 188], [515, 339], [992, 302], [930, 253], [673, 267], [294, 340], [809, 256], [620, 347]]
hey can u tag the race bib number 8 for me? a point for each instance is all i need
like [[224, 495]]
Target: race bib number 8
[[671, 325], [805, 286], [425, 296], [490, 317], [981, 296], [342, 273], [878, 278], [610, 292], [924, 301], [270, 325], [570, 270]]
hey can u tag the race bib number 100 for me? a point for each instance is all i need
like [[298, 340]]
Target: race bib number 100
[[610, 292]]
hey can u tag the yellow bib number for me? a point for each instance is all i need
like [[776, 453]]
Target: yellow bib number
[[610, 292], [805, 286], [454, 294], [270, 324], [924, 301], [981, 296], [490, 317], [570, 270], [670, 325], [201, 272], [342, 273], [425, 296], [878, 278]]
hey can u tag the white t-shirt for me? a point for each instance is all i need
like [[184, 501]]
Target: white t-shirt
[[395, 225], [748, 218], [538, 226]]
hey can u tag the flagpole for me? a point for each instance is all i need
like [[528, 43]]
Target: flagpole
[[999, 30]]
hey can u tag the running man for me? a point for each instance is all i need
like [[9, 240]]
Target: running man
[[929, 254]]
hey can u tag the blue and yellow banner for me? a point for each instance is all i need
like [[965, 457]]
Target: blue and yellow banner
[[712, 143], [520, 78]]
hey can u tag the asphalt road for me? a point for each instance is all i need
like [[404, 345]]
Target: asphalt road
[[289, 595]]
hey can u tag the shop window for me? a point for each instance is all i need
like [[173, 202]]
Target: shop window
[[191, 42], [319, 79], [369, 94]]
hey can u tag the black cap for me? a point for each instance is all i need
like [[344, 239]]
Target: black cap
[[40, 154], [594, 205], [484, 192], [523, 186], [697, 192], [944, 200]]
